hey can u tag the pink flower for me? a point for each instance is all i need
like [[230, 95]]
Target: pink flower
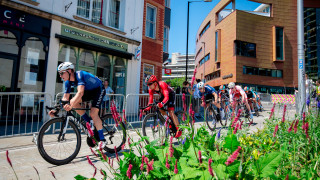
[[290, 128], [89, 129], [184, 117], [142, 163], [129, 171], [233, 157], [167, 164], [275, 130], [115, 151], [129, 141], [8, 159], [90, 162], [272, 110], [306, 127], [94, 153], [95, 172], [284, 113], [203, 101], [200, 158], [296, 126], [303, 117], [122, 147], [53, 175], [241, 124], [103, 173], [140, 117], [176, 167], [210, 168], [236, 129], [150, 166], [124, 115]]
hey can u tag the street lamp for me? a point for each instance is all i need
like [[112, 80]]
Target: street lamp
[[204, 65], [188, 34]]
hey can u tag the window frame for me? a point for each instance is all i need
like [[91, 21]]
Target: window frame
[[154, 23], [166, 39], [238, 51]]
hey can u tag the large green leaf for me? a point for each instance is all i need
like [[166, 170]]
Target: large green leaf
[[211, 142], [220, 171], [192, 173], [233, 169], [178, 177], [267, 165], [231, 143]]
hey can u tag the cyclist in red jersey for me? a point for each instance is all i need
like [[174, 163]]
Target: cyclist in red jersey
[[235, 92], [167, 98]]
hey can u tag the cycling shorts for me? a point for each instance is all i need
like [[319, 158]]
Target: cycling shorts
[[95, 95], [209, 98], [171, 102]]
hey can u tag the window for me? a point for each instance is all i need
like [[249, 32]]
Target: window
[[245, 49], [207, 57], [216, 46], [167, 3], [205, 29], [89, 9], [8, 42], [114, 13], [279, 43], [199, 52], [165, 39], [262, 71], [151, 21]]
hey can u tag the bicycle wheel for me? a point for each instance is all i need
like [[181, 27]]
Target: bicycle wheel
[[183, 122], [227, 115], [211, 118], [153, 127], [57, 149], [115, 136], [255, 108]]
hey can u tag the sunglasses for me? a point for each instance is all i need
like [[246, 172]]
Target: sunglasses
[[61, 73], [149, 84]]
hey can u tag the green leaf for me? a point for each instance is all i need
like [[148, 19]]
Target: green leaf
[[268, 164], [233, 169], [212, 142], [79, 177], [192, 173], [231, 143], [178, 177], [220, 171], [205, 175]]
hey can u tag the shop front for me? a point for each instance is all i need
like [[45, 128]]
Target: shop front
[[104, 57]]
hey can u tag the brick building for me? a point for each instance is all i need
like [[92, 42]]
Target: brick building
[[156, 24], [252, 48]]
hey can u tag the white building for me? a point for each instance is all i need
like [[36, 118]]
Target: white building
[[99, 36], [178, 67]]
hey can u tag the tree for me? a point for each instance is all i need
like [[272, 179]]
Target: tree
[[176, 82]]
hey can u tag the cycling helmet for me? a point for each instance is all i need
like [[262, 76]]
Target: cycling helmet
[[65, 66], [150, 79], [222, 87], [246, 88], [231, 85], [200, 85]]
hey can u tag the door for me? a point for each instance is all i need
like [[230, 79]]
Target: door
[[7, 73]]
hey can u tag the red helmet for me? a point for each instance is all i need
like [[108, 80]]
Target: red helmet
[[150, 79]]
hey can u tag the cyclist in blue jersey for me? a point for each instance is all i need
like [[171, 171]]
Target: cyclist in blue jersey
[[89, 88], [210, 94], [258, 99]]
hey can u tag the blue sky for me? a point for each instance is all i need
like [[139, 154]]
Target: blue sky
[[197, 13]]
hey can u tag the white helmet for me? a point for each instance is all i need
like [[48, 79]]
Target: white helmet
[[231, 85], [200, 85], [65, 66]]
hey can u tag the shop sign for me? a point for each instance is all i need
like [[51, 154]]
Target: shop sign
[[92, 38], [227, 76], [167, 72]]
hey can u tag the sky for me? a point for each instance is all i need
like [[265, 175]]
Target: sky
[[197, 13]]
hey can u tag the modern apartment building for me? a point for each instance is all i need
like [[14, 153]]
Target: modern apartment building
[[251, 48], [155, 38], [177, 67], [98, 36]]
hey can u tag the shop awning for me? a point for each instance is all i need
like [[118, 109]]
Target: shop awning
[[94, 47]]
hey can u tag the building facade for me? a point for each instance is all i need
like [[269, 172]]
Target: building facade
[[155, 38], [177, 67], [98, 36], [251, 48]]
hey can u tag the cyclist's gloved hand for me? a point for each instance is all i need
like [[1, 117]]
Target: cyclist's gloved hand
[[160, 105], [147, 109]]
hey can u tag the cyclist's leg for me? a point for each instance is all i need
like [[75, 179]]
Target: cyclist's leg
[[94, 113]]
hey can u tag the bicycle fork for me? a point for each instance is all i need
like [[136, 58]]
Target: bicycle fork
[[63, 129]]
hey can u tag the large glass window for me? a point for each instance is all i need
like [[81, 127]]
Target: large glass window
[[216, 46], [86, 62], [279, 43], [89, 9], [32, 66], [119, 77], [8, 42], [151, 21], [245, 49], [165, 39], [205, 29], [262, 71], [114, 13], [103, 68]]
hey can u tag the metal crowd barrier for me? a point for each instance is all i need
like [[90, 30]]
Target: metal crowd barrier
[[22, 113]]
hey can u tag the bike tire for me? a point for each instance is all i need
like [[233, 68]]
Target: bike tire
[[211, 118], [227, 116], [157, 129], [114, 135], [256, 109], [48, 130]]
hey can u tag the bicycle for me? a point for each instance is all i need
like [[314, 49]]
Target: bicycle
[[245, 114], [63, 134], [212, 116], [157, 123], [254, 105]]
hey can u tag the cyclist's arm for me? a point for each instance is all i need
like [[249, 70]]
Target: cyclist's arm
[[66, 97], [230, 95], [77, 98], [150, 96], [215, 96]]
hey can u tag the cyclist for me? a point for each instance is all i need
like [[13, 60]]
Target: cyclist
[[251, 97], [167, 98], [89, 88], [210, 94], [235, 92], [258, 99]]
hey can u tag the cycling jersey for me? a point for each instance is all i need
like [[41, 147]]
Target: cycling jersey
[[236, 93], [250, 94], [223, 95], [84, 78], [207, 90], [166, 92]]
